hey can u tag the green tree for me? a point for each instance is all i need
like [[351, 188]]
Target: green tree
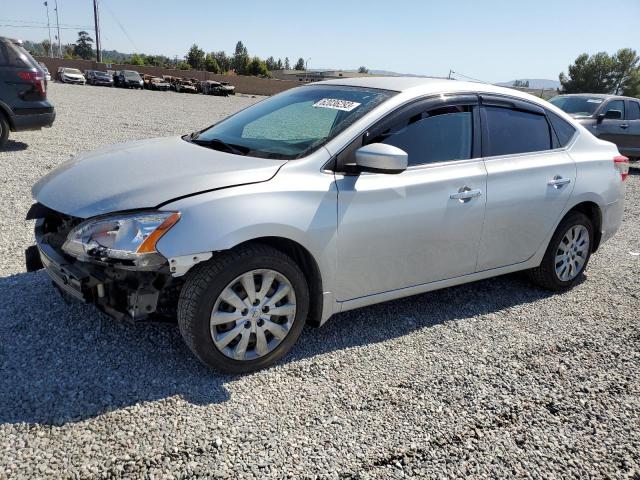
[[257, 67], [287, 65], [84, 46], [136, 60], [299, 64], [279, 64], [68, 50], [588, 74], [211, 64], [271, 63], [241, 59], [46, 47], [626, 70], [195, 57], [223, 60], [182, 65], [363, 69]]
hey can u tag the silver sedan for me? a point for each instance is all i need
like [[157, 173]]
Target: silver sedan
[[323, 199]]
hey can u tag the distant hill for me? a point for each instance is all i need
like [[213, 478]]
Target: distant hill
[[534, 83]]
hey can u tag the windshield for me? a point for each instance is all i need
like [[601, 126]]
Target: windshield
[[72, 71], [292, 124], [100, 74], [131, 74], [580, 106]]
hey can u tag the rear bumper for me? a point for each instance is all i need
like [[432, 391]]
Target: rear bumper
[[26, 120]]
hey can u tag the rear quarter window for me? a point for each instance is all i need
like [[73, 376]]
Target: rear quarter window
[[563, 129]]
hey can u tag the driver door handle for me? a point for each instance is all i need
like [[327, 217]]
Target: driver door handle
[[624, 125]]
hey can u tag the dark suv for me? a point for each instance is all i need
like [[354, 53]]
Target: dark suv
[[23, 91], [127, 79], [609, 117]]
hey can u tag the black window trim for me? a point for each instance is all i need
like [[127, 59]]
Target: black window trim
[[419, 105], [506, 101]]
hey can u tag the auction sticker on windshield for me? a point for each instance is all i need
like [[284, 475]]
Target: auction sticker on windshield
[[336, 104]]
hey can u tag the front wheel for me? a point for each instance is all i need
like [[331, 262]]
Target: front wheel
[[244, 309], [567, 255]]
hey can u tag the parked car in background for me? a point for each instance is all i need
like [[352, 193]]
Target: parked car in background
[[23, 91], [47, 75], [127, 79], [185, 86], [398, 189], [211, 87], [609, 117], [71, 75], [97, 77], [156, 83]]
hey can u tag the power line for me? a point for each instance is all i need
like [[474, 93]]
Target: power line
[[40, 26], [468, 77], [121, 26], [43, 23]]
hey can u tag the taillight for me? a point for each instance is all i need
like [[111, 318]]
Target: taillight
[[37, 78], [622, 165]]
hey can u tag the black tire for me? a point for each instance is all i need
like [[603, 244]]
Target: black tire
[[545, 274], [4, 130], [206, 281]]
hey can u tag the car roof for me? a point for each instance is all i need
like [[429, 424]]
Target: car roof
[[426, 86]]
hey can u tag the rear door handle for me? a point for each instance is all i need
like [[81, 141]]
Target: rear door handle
[[624, 125], [465, 193], [558, 181]]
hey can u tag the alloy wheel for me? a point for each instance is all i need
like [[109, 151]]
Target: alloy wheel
[[253, 314], [572, 253]]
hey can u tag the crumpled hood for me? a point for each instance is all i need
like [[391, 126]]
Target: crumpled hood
[[144, 174]]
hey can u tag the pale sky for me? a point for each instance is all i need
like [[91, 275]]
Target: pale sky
[[491, 40]]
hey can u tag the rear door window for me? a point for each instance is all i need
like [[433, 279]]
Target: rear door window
[[511, 131], [634, 110]]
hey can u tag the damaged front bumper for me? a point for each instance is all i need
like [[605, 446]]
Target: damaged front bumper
[[118, 290]]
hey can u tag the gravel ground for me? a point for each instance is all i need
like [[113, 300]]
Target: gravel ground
[[493, 379]]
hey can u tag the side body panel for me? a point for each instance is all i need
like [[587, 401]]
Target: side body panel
[[396, 231], [522, 208], [298, 204]]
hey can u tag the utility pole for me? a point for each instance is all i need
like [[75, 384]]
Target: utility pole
[[96, 20], [306, 64], [58, 24], [46, 4], [450, 72]]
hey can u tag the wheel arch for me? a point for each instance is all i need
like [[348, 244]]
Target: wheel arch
[[307, 264], [593, 211]]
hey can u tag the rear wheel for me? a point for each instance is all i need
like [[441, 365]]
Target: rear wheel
[[4, 130], [244, 309], [567, 255]]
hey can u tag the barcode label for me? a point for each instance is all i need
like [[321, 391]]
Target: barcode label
[[335, 104]]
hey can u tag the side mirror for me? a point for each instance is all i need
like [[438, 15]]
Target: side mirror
[[610, 115], [381, 158]]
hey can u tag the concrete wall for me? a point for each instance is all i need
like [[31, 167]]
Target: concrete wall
[[243, 84]]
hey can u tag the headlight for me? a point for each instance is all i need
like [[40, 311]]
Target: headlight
[[129, 237]]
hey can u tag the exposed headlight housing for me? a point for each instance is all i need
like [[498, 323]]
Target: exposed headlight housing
[[130, 238]]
